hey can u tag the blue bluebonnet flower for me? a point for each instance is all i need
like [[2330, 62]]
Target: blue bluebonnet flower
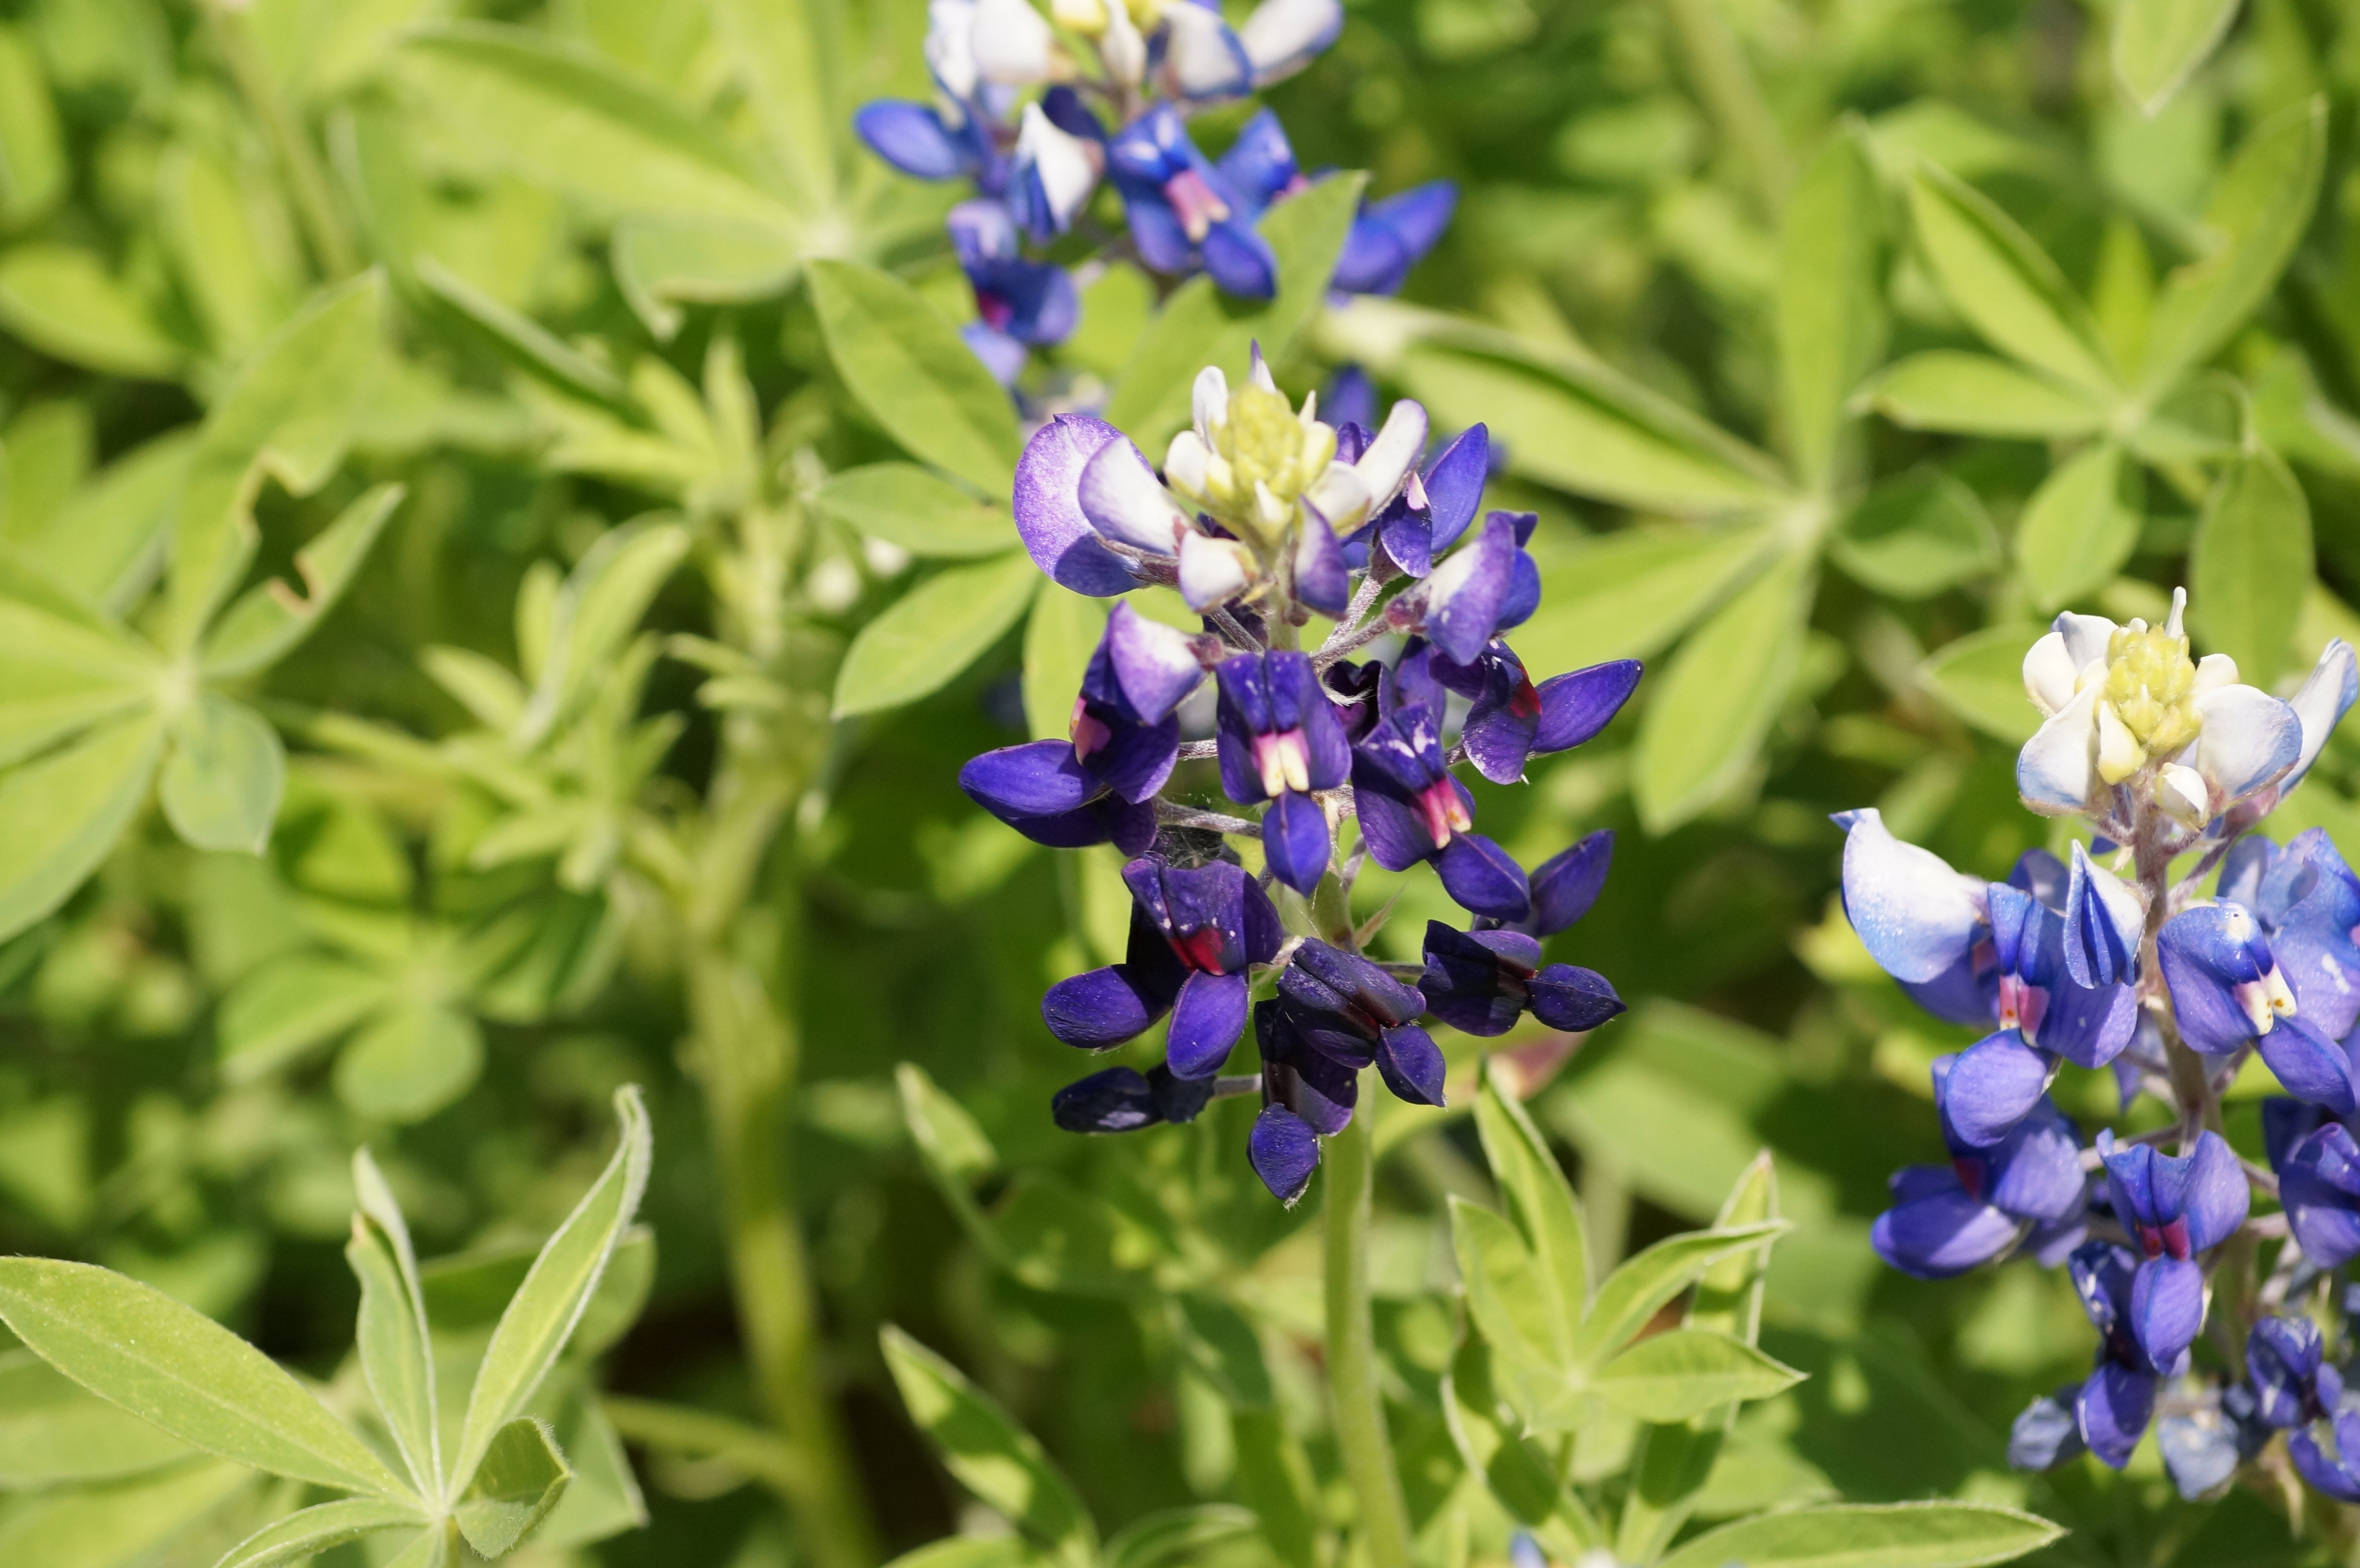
[[2027, 1190], [2227, 992], [2318, 1168], [1388, 237], [2114, 1403], [1246, 522], [2174, 1207], [1184, 213], [2293, 1381], [1017, 302]]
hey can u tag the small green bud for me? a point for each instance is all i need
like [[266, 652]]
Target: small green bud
[[2150, 679]]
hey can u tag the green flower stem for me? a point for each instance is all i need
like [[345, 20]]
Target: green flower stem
[[307, 181], [1381, 1517]]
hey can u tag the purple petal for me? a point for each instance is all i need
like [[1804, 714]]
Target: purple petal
[[1240, 261], [1207, 1020], [1411, 1065], [2167, 1310], [1284, 1152], [1567, 998], [1420, 214], [1263, 932], [2088, 1028], [1375, 259], [1329, 978], [1117, 1100], [1001, 353], [2212, 957], [1155, 232], [1049, 510], [1321, 580], [1039, 778], [2320, 1186], [1566, 885], [1576, 706], [1464, 594], [1497, 735], [2113, 1410], [1294, 841], [2045, 1434], [2216, 1197], [1135, 759], [2311, 1066], [1259, 165], [2282, 1359], [1103, 1007], [1390, 826], [1995, 1084], [2036, 1174], [1348, 400], [1454, 485], [912, 138], [2103, 923], [1482, 877], [1940, 1233], [1155, 664], [1917, 917], [1464, 985], [2331, 1477]]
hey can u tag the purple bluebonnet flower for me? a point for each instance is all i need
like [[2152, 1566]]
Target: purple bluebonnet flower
[[1481, 980], [1412, 810], [1510, 720], [1194, 931], [2336, 1476], [2317, 1167], [2293, 1381], [1124, 1099], [1435, 506], [1091, 511], [2114, 1403], [1280, 742], [2227, 991], [2308, 903], [1485, 587], [2026, 1189], [1390, 236], [1042, 790], [1018, 302], [2174, 1207], [1183, 212]]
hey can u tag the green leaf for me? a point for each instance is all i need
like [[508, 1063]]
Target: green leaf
[[1199, 325], [565, 116], [1507, 1302], [915, 376], [1518, 1475], [776, 50], [905, 504], [396, 1347], [1541, 1202], [434, 1548], [54, 1433], [62, 300], [520, 1479], [1981, 679], [267, 623], [33, 170], [2261, 205], [288, 1006], [663, 260], [1976, 395], [1060, 636], [1220, 1342], [1708, 718], [299, 1536], [106, 542], [596, 611], [993, 1457], [553, 1297], [1569, 421], [2159, 43], [289, 414], [240, 291], [1177, 1535], [2202, 420], [927, 638], [127, 1524], [2079, 526], [1632, 1295], [951, 1145], [2005, 285], [2249, 570], [64, 813], [1625, 595], [1831, 321], [1916, 535], [64, 666], [134, 1344], [1687, 1371], [221, 783], [1860, 1535], [519, 339], [968, 1552], [412, 1060]]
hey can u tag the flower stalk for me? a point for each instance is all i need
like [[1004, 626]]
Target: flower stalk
[[1381, 1514]]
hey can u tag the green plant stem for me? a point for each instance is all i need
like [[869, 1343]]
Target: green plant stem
[[1381, 1515], [307, 181], [1741, 116]]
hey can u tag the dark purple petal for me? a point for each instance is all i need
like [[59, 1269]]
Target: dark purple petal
[[2113, 1410], [1321, 579], [1155, 664], [1284, 1152], [1049, 510], [1465, 985], [2101, 1274], [1524, 578], [1406, 533], [913, 139], [1207, 1020], [1240, 261], [1039, 778], [2320, 1186], [1482, 877], [1453, 484], [2045, 1434], [1573, 999], [2311, 1066], [2333, 1477], [1566, 884], [1350, 400], [2036, 1174], [1940, 1231], [1103, 1007], [1264, 934], [1575, 707], [1467, 591], [1391, 827], [2286, 1123], [1332, 980], [1117, 1100], [1995, 1084], [1133, 759], [1155, 230], [1259, 166], [1294, 841], [1411, 1065], [2166, 1311], [1375, 259], [1179, 1100]]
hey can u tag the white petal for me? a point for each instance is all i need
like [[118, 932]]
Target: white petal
[[1068, 165], [2326, 696], [1258, 371], [1202, 56], [1187, 463], [2249, 741], [1013, 45], [2119, 752], [2049, 672], [2085, 637], [2181, 792], [950, 46], [1208, 401], [1283, 36], [1122, 49], [2214, 673], [2172, 624], [1340, 496], [1212, 570], [1914, 913], [2057, 771], [1119, 496], [1398, 446]]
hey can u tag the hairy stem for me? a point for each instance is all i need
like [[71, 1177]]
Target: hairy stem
[[1381, 1514]]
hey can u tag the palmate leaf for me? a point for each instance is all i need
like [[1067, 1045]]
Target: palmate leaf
[[64, 811], [520, 1481], [1541, 1202], [62, 299], [915, 376], [221, 783], [2158, 44], [2079, 526], [300, 1536], [1627, 594], [1975, 394], [1627, 1298], [1686, 1372], [2006, 286], [1916, 535], [2250, 567], [1519, 1475]]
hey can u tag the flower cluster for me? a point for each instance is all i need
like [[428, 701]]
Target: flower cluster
[[1262, 516], [2171, 761], [1119, 79]]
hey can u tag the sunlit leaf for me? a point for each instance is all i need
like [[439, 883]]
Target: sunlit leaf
[[2249, 570], [2079, 526], [915, 376], [1893, 1535], [927, 638]]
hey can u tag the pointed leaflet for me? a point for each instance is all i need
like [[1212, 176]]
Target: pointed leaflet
[[1541, 1202], [591, 617], [64, 665], [662, 260], [1724, 689], [134, 1344], [520, 1479], [1200, 326], [1977, 395], [63, 301], [300, 1536], [129, 1524], [223, 781], [1630, 1296], [905, 504], [1830, 299], [266, 623], [517, 338], [1519, 1476], [915, 376], [1981, 679], [1858, 1535], [1686, 1372], [64, 813], [1625, 594], [1507, 1302], [395, 1346], [2261, 205], [2006, 284], [2249, 570], [1914, 535], [549, 1303], [2079, 526], [2159, 43], [287, 1005], [993, 1457], [775, 48], [288, 413], [926, 638], [108, 536], [54, 1432]]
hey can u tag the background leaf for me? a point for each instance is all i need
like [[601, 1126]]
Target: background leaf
[[1705, 721], [1916, 535], [1900, 1535], [915, 376], [2006, 284], [2250, 567], [2159, 43], [2079, 526], [904, 504], [932, 633], [1830, 326]]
